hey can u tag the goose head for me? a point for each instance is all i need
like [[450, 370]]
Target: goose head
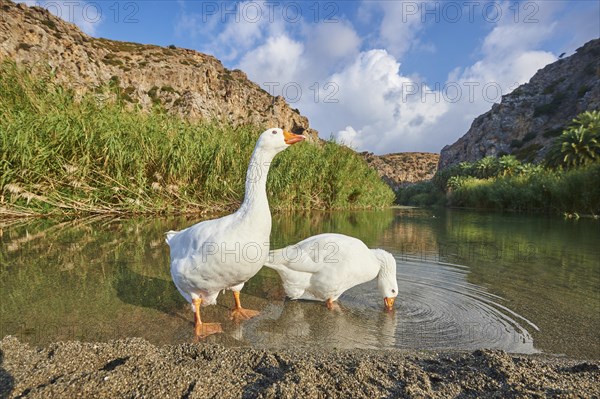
[[386, 279], [275, 140]]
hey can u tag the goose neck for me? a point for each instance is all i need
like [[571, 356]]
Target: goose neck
[[255, 198]]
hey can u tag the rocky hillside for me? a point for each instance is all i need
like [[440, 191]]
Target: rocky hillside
[[183, 81], [530, 117], [399, 170]]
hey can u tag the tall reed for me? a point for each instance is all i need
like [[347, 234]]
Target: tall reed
[[59, 154]]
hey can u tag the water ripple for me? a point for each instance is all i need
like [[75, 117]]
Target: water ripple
[[437, 308]]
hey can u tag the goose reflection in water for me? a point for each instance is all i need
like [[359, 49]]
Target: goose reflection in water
[[436, 309], [303, 324]]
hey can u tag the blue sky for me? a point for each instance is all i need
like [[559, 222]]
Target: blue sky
[[382, 76]]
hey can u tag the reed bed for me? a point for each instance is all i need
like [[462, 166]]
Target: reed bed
[[60, 154]]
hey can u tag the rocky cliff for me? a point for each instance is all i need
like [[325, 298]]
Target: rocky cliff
[[401, 169], [528, 119], [187, 82]]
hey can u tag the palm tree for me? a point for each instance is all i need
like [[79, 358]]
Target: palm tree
[[508, 165], [487, 167], [530, 169], [590, 120], [579, 144], [579, 147]]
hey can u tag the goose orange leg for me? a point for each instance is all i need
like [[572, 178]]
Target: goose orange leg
[[332, 305], [238, 312], [203, 330]]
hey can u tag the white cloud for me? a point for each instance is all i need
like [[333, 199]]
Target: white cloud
[[229, 30], [350, 137], [277, 60], [509, 50], [332, 41], [237, 38], [318, 51], [400, 25], [379, 109], [328, 46], [505, 73], [303, 63]]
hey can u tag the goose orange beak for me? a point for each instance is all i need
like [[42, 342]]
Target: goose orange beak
[[389, 303], [291, 138]]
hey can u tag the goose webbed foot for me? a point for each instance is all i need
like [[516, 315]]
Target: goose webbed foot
[[238, 313], [203, 330]]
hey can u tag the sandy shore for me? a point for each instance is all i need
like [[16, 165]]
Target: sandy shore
[[136, 368]]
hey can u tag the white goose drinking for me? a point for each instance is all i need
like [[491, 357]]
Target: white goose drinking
[[322, 267], [224, 253]]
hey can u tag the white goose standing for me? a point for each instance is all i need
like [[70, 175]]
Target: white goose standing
[[224, 253]]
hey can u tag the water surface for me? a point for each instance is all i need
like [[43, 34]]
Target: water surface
[[466, 280]]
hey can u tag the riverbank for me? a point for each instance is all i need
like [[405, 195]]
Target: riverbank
[[524, 188], [136, 368]]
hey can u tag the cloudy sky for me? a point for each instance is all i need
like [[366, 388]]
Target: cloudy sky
[[382, 76]]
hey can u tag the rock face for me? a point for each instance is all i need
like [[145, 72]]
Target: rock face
[[528, 119], [187, 82], [405, 168]]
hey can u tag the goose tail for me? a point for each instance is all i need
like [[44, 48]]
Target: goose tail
[[275, 260], [169, 235]]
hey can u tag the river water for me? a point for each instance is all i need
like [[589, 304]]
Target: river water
[[467, 280]]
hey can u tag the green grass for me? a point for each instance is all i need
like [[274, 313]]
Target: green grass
[[510, 185], [59, 155], [573, 191]]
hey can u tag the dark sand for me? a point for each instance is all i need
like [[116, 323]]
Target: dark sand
[[136, 368]]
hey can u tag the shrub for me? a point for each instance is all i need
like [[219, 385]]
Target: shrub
[[420, 194]]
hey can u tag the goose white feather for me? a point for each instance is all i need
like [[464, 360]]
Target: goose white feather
[[323, 267], [224, 253]]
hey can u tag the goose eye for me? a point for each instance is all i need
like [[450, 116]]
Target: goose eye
[[393, 291], [274, 132]]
